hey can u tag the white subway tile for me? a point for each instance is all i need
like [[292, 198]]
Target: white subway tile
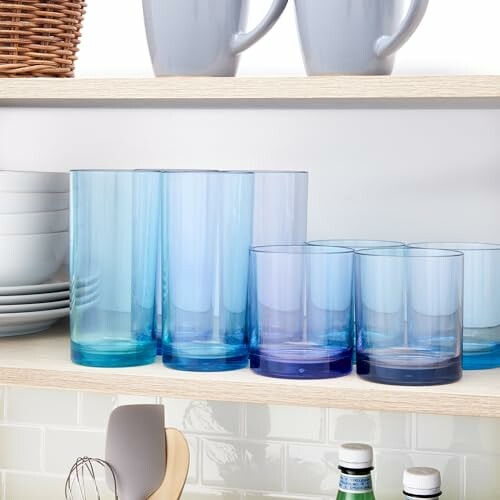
[[193, 458], [204, 417], [126, 399], [388, 474], [380, 429], [95, 409], [312, 470], [63, 447], [458, 434], [19, 486], [285, 422], [242, 465], [201, 493], [20, 447], [41, 406], [482, 478]]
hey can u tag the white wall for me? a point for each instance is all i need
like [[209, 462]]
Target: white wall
[[456, 36]]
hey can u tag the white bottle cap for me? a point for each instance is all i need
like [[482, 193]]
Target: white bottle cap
[[422, 481], [355, 456]]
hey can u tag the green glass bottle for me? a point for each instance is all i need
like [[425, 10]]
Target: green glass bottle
[[421, 482], [356, 465]]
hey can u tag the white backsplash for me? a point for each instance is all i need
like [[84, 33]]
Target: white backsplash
[[247, 452]]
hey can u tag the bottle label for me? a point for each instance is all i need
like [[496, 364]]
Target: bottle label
[[355, 484]]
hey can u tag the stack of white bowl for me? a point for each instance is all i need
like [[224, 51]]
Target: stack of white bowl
[[34, 240]]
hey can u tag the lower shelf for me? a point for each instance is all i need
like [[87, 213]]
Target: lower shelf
[[43, 361]]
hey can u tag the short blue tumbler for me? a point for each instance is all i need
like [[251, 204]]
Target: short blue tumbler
[[207, 231], [357, 245], [300, 311], [481, 302], [409, 315], [114, 228]]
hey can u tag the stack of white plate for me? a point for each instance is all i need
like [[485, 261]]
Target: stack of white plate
[[34, 239]]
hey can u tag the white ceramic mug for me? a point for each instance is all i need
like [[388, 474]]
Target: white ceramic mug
[[357, 37], [202, 37]]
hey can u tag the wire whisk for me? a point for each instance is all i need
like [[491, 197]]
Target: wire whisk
[[82, 475]]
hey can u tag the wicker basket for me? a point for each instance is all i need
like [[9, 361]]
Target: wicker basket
[[39, 37]]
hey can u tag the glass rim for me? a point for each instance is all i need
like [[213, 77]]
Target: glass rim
[[280, 172], [459, 246], [206, 172], [301, 249], [402, 253], [338, 242], [9, 171], [113, 170]]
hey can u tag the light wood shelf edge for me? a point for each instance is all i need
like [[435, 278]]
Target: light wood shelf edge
[[319, 88], [42, 361]]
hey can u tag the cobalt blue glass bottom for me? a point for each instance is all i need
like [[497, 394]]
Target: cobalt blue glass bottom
[[113, 353], [406, 366], [307, 363], [205, 356], [481, 348]]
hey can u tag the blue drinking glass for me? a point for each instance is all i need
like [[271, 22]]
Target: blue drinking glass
[[207, 231], [113, 241], [280, 207], [300, 311], [409, 315], [481, 302], [356, 245]]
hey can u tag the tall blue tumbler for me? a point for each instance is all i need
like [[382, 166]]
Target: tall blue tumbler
[[207, 231], [481, 302], [113, 241], [409, 315], [300, 311], [280, 207]]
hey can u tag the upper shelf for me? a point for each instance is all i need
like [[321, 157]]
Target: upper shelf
[[42, 361], [341, 88]]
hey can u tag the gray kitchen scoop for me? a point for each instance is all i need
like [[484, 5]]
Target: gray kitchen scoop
[[136, 450]]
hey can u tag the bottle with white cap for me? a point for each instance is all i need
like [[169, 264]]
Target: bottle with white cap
[[356, 465], [421, 482]]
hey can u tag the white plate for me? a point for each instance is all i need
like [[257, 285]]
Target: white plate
[[35, 222], [41, 306], [34, 182], [23, 203], [27, 259], [34, 289], [29, 322], [33, 299]]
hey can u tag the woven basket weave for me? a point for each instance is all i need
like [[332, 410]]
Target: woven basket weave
[[39, 37]]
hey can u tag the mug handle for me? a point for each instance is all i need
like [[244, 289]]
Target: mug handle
[[243, 41], [387, 45]]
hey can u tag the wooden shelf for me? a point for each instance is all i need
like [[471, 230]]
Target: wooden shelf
[[43, 361], [313, 88]]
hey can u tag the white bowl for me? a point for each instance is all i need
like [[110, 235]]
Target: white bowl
[[35, 223], [33, 182], [31, 259], [24, 203]]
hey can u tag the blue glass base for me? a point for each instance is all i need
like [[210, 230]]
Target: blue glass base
[[205, 357], [114, 354], [315, 363], [409, 369], [482, 360]]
